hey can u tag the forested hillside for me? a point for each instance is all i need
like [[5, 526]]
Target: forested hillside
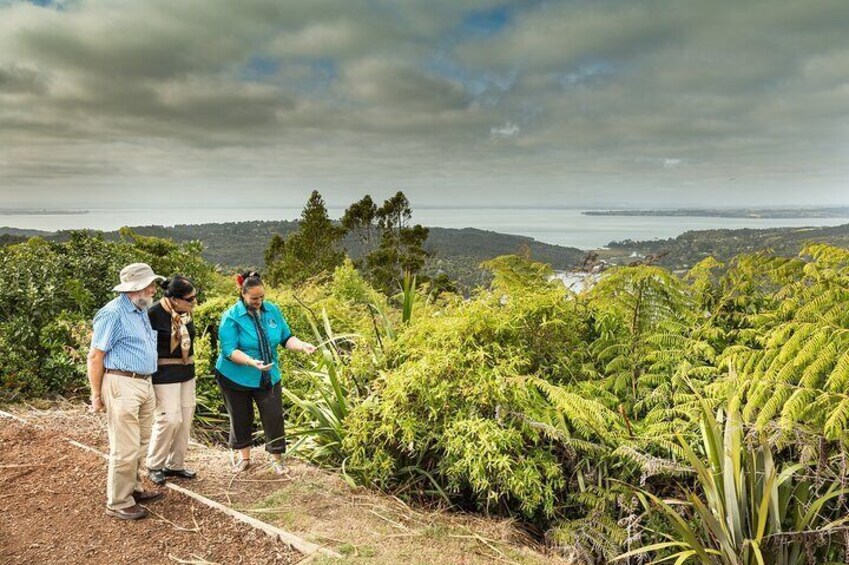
[[8, 239], [460, 250], [243, 243], [455, 252], [691, 247]]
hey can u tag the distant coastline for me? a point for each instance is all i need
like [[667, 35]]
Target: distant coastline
[[754, 213], [566, 228], [40, 212]]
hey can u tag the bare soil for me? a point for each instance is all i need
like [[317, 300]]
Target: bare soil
[[52, 503]]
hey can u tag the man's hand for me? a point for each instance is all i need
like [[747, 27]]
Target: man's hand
[[95, 378], [97, 404], [307, 347]]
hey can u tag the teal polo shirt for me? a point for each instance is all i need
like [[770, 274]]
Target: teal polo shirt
[[237, 331]]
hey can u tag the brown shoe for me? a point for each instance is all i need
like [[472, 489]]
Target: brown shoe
[[134, 512], [146, 496]]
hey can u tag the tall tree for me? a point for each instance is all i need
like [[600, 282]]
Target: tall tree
[[312, 250], [401, 247], [359, 220]]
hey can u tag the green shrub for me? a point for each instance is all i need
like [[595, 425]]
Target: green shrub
[[443, 407], [51, 292], [65, 342]]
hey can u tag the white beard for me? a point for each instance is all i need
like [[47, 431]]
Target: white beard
[[142, 302]]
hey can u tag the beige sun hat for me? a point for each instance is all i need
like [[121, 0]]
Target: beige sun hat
[[136, 276]]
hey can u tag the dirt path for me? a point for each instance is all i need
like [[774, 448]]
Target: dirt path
[[52, 498], [367, 527]]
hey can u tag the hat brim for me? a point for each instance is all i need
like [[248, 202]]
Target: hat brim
[[138, 285]]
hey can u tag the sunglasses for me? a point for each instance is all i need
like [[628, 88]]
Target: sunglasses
[[192, 298]]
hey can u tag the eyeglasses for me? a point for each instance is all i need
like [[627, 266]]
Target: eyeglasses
[[192, 298]]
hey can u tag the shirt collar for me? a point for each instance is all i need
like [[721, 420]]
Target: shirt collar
[[127, 304], [242, 310]]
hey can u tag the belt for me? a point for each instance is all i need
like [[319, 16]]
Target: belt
[[127, 374], [175, 361]]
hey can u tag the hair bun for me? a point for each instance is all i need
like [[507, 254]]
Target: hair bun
[[165, 283], [248, 279], [249, 275]]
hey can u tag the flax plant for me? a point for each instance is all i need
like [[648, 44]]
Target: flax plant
[[320, 414], [746, 511]]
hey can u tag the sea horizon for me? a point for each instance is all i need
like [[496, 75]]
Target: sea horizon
[[568, 227]]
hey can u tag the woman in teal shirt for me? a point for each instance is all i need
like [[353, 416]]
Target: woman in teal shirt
[[247, 370]]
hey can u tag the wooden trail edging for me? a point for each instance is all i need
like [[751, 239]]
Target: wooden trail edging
[[13, 417], [305, 547]]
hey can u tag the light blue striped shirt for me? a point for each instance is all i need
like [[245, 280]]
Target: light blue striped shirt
[[124, 333]]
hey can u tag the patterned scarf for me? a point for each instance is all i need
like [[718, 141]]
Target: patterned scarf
[[180, 336], [264, 346]]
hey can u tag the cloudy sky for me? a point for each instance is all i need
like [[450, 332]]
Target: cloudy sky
[[456, 102]]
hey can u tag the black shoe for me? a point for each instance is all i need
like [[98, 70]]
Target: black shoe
[[156, 476], [134, 512], [179, 473], [145, 496]]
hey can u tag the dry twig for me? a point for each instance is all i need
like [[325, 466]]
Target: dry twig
[[266, 510], [194, 530], [196, 560], [389, 521]]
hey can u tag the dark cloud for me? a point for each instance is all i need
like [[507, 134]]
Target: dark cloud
[[627, 97], [391, 85], [20, 80]]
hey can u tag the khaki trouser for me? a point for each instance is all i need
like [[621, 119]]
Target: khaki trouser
[[175, 408], [129, 414]]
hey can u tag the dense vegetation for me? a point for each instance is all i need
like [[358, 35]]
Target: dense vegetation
[[50, 293], [701, 417]]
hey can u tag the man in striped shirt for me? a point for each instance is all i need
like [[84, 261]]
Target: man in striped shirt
[[121, 360]]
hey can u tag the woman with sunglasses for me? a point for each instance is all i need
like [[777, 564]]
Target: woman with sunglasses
[[173, 381]]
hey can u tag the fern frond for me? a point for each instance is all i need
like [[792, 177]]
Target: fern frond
[[835, 425]]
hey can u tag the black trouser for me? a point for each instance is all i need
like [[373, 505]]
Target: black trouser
[[239, 405]]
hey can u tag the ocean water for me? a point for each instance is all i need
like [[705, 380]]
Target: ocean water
[[550, 225]]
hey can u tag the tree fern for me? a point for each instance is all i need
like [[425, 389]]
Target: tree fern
[[800, 371]]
